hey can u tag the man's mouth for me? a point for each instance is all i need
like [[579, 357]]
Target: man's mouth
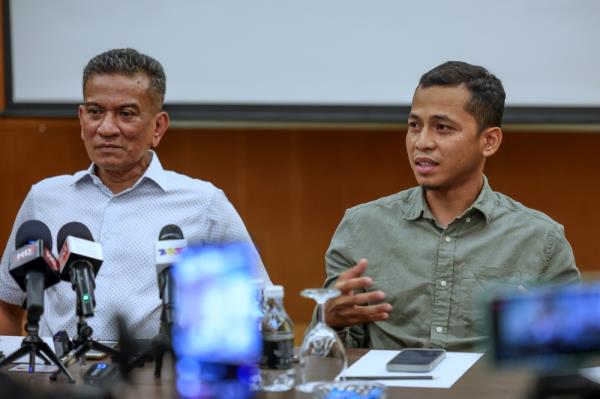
[[107, 146], [425, 165]]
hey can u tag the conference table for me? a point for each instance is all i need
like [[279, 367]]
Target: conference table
[[480, 381]]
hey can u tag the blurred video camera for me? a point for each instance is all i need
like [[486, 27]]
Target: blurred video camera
[[547, 329]]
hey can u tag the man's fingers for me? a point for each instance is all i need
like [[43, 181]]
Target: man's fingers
[[365, 314], [347, 286], [351, 308], [371, 317], [355, 271], [366, 298], [345, 301]]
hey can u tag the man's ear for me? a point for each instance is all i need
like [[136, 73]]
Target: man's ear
[[161, 124], [491, 138]]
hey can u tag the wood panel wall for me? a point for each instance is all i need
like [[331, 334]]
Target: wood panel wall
[[2, 99], [291, 187]]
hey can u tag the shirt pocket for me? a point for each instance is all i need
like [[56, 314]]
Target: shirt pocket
[[477, 285]]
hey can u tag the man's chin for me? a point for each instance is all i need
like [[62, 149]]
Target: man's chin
[[431, 187], [108, 165]]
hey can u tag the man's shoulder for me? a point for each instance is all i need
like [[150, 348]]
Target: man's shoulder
[[398, 203], [57, 182], [180, 182], [506, 205]]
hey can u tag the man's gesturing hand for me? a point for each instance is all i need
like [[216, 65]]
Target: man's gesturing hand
[[350, 308]]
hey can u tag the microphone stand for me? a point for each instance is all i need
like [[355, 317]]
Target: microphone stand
[[83, 341], [161, 344], [32, 344]]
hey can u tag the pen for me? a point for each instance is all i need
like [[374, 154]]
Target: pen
[[389, 377]]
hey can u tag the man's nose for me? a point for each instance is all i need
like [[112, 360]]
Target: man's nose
[[425, 140], [109, 125]]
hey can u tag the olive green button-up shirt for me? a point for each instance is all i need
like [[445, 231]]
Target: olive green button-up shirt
[[434, 276]]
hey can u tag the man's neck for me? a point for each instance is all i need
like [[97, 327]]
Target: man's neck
[[447, 205], [118, 181]]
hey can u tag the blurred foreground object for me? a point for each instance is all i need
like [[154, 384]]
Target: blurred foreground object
[[553, 331], [215, 339]]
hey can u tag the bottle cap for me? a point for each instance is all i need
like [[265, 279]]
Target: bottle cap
[[257, 283], [273, 291]]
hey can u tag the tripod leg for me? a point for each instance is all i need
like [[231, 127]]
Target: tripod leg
[[158, 364], [103, 348], [15, 355], [80, 351], [32, 352], [45, 359], [45, 349], [68, 361]]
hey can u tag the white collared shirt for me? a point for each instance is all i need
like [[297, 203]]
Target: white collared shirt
[[127, 225]]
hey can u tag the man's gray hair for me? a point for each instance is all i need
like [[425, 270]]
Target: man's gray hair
[[128, 62]]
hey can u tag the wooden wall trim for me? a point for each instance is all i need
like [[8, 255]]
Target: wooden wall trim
[[2, 83]]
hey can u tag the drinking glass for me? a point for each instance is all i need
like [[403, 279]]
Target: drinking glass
[[322, 354]]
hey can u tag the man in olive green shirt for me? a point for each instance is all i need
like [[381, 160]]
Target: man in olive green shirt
[[412, 266]]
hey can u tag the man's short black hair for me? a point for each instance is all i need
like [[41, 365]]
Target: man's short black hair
[[487, 94], [128, 62]]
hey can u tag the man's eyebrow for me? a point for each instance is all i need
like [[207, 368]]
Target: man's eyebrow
[[442, 118], [128, 105], [120, 106], [413, 116]]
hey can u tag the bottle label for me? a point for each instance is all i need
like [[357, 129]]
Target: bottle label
[[277, 353]]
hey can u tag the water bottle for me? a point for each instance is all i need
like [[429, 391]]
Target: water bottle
[[276, 365], [258, 307]]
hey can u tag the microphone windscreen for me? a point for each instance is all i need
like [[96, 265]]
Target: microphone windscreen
[[33, 230], [74, 229], [170, 232]]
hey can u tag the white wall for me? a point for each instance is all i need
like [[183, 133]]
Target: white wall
[[348, 52]]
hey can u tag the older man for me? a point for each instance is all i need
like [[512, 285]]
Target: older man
[[125, 198]]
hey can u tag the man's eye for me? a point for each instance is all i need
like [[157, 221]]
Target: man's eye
[[126, 113], [93, 111], [444, 128], [412, 125]]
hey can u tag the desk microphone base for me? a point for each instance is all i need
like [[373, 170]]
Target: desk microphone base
[[36, 347]]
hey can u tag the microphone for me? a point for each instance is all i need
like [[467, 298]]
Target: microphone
[[79, 261], [32, 265], [168, 248]]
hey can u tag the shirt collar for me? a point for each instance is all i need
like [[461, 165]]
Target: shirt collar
[[484, 203], [154, 172]]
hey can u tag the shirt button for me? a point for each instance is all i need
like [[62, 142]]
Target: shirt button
[[468, 220], [443, 283], [448, 239], [439, 329]]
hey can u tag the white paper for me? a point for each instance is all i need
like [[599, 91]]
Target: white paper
[[592, 374], [10, 343], [41, 368], [454, 365]]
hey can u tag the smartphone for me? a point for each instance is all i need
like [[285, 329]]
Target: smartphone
[[416, 360]]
